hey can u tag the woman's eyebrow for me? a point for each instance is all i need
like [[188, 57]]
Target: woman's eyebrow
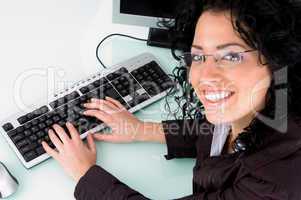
[[222, 46]]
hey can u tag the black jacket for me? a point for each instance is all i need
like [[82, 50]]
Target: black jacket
[[272, 172]]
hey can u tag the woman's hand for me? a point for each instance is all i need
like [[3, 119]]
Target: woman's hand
[[75, 157], [125, 126]]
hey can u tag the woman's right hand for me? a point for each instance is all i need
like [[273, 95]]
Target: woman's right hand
[[125, 126]]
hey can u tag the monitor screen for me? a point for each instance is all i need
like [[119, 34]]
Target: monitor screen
[[151, 8], [144, 12]]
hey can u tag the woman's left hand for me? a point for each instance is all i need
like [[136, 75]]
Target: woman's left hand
[[73, 155]]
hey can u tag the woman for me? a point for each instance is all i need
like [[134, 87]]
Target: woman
[[243, 66]]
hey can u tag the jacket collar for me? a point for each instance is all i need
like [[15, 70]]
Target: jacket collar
[[278, 145]]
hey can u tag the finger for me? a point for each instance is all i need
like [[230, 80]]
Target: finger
[[102, 116], [115, 102], [91, 143], [73, 132], [55, 140], [105, 103], [53, 153], [61, 133], [100, 106]]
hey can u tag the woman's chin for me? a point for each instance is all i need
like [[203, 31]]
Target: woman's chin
[[216, 118]]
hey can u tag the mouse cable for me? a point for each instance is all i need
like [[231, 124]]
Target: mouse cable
[[109, 36]]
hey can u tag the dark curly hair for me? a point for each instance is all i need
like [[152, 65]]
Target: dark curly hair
[[270, 26]]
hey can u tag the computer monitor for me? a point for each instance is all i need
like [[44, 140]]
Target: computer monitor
[[149, 13]]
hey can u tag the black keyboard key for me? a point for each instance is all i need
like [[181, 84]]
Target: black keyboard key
[[111, 92], [34, 129], [56, 119], [124, 92], [35, 122], [18, 137], [12, 133], [63, 114], [96, 83], [7, 127], [83, 99], [76, 102], [23, 119], [27, 133], [73, 117], [28, 125], [25, 149], [20, 129], [58, 102], [91, 86], [166, 85], [40, 150], [22, 143], [71, 96], [63, 100], [117, 73], [30, 156], [49, 122], [42, 110], [42, 118], [91, 95], [41, 134], [49, 115], [78, 110], [100, 82], [42, 126], [138, 99], [122, 70], [82, 125], [84, 90], [33, 138], [151, 88]]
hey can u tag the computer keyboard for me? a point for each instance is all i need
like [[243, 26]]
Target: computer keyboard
[[136, 83]]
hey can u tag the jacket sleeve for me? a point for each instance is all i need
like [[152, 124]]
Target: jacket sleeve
[[182, 135], [249, 187], [97, 184]]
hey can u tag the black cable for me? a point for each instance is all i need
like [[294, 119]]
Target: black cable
[[111, 35]]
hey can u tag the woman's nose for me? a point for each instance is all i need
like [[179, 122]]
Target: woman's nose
[[209, 68]]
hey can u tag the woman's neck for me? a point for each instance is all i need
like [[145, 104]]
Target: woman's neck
[[237, 127]]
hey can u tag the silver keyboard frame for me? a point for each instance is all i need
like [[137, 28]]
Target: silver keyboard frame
[[130, 64]]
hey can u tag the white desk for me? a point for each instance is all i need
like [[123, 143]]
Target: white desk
[[36, 35]]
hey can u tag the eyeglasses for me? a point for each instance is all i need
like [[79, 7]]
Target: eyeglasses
[[225, 59]]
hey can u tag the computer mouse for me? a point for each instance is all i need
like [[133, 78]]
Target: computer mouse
[[8, 183]]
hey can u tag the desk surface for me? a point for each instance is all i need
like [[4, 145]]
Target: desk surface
[[50, 39]]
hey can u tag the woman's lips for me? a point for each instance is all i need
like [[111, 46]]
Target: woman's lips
[[215, 98]]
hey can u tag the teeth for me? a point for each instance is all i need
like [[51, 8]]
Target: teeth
[[214, 96]]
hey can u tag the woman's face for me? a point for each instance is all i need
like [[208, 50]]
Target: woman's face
[[228, 92]]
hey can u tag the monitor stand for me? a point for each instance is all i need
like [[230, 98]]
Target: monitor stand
[[160, 38]]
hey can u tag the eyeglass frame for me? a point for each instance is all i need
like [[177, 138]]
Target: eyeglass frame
[[216, 59]]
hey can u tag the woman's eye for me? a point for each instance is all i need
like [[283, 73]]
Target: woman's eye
[[233, 57], [197, 57]]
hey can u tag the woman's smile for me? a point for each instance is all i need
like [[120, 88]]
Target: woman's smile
[[216, 98]]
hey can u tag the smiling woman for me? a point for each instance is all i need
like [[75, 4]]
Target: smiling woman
[[243, 63]]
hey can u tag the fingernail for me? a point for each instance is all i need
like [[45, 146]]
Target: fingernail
[[93, 99]]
